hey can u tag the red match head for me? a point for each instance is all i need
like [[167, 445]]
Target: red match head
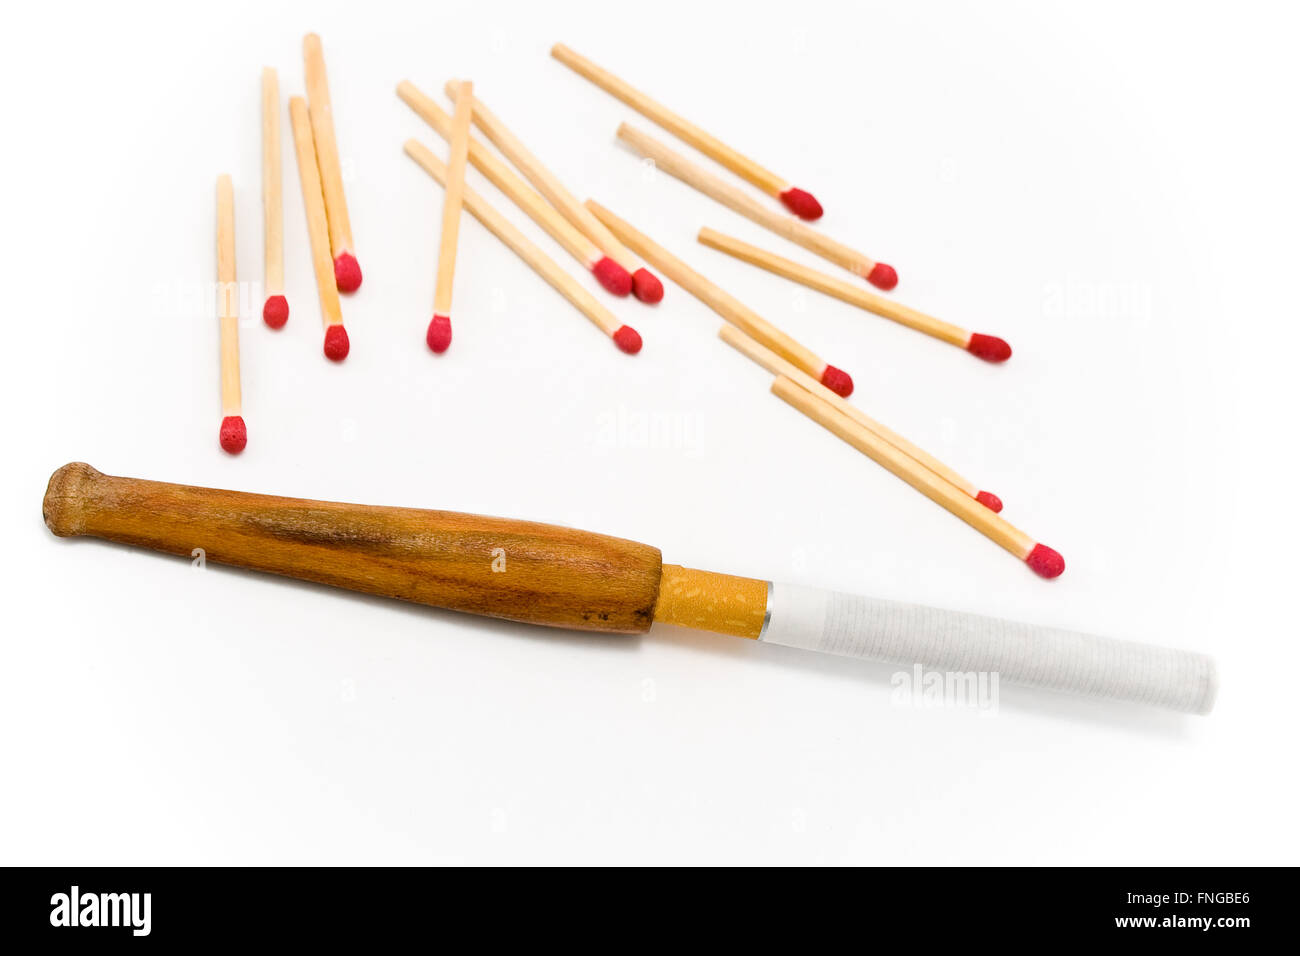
[[989, 500], [337, 345], [347, 273], [438, 335], [838, 381], [646, 287], [612, 276], [882, 276], [988, 347], [276, 311], [802, 204], [628, 339], [234, 435], [1045, 562]]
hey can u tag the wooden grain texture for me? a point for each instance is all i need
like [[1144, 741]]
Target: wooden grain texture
[[503, 178], [317, 220], [548, 575], [327, 151], [227, 298], [706, 143], [741, 202], [521, 245], [726, 305], [835, 287], [272, 187], [941, 492]]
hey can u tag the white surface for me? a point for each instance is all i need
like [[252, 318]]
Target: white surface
[[1109, 186]]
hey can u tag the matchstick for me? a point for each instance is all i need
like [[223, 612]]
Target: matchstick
[[769, 360], [1041, 559], [438, 335], [608, 273], [877, 273], [275, 311], [337, 345], [645, 286], [347, 273], [988, 347], [624, 336], [234, 434], [579, 580], [799, 202], [731, 309]]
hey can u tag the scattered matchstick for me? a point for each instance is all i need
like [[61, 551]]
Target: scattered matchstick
[[624, 336], [645, 286], [275, 311], [988, 347], [608, 273], [799, 202], [769, 360], [347, 273], [1044, 561], [877, 273], [731, 309], [438, 335], [336, 337], [234, 435]]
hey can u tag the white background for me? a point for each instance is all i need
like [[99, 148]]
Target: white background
[[1109, 186]]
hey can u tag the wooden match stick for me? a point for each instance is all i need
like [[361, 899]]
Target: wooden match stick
[[877, 273], [731, 309], [1041, 559], [234, 434], [624, 336], [769, 360], [275, 311], [988, 347], [799, 202], [608, 273], [337, 345], [438, 335], [645, 286], [562, 577], [347, 272]]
